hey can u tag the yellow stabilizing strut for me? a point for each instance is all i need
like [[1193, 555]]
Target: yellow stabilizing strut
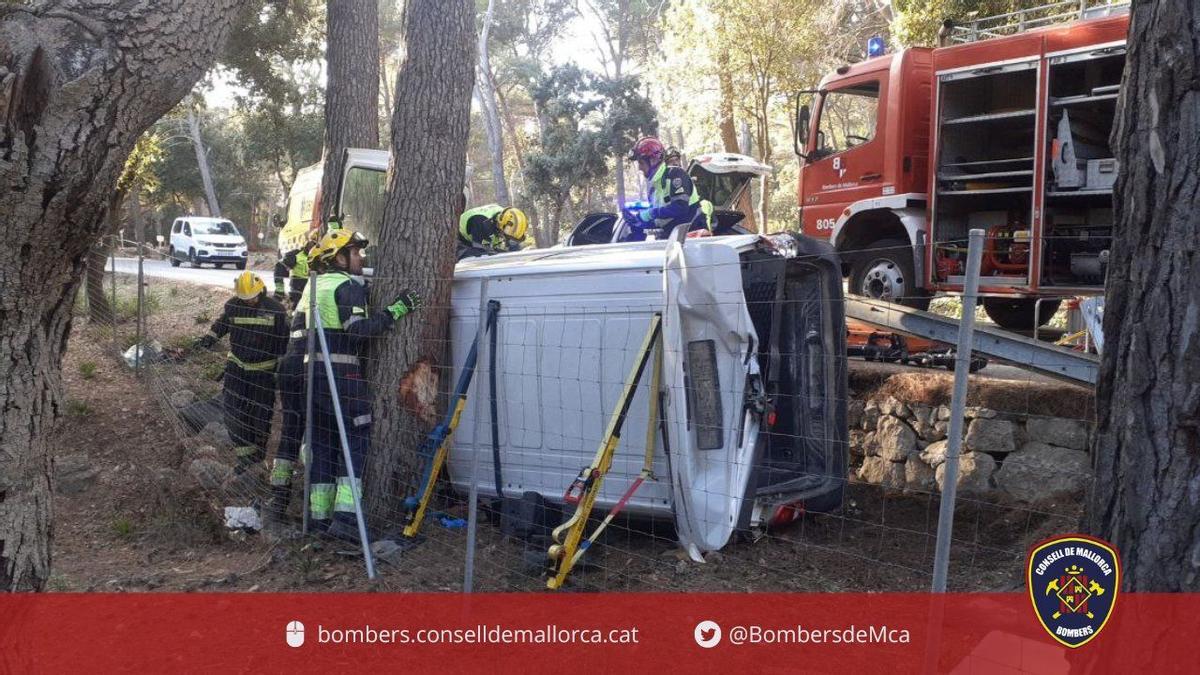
[[586, 487], [435, 469]]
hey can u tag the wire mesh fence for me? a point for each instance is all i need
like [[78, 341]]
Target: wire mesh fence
[[646, 417]]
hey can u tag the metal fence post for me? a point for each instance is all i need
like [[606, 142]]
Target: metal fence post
[[309, 364], [137, 344], [355, 491], [958, 401], [473, 494]]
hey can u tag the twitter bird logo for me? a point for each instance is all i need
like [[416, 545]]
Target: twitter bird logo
[[707, 634]]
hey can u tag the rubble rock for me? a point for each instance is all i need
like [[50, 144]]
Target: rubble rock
[[182, 398], [893, 406], [854, 414], [921, 413], [973, 412], [975, 470], [989, 435], [857, 442], [209, 474], [879, 471], [74, 474], [1066, 433], [919, 476], [1039, 471], [870, 416], [941, 428], [935, 453], [896, 440], [215, 433], [943, 413]]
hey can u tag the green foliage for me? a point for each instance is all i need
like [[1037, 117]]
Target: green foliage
[[87, 369], [203, 318], [127, 305], [212, 371], [917, 21], [122, 527], [77, 408], [584, 121]]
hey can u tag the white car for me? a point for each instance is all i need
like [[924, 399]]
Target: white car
[[206, 240]]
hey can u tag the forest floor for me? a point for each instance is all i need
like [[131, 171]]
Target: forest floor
[[139, 520]]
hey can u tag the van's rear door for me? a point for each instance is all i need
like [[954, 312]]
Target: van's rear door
[[709, 343]]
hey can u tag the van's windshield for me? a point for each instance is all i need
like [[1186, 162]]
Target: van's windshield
[[218, 227]]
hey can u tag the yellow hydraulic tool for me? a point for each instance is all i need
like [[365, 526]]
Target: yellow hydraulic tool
[[569, 544]]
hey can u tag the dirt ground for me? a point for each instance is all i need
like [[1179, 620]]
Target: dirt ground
[[144, 524]]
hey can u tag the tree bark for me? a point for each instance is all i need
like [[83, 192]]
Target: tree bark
[[1146, 449], [99, 308], [491, 117], [351, 89], [80, 80], [416, 249]]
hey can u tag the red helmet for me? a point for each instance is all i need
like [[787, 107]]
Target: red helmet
[[648, 148]]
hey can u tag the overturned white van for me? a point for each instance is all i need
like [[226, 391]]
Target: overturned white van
[[754, 379], [754, 376]]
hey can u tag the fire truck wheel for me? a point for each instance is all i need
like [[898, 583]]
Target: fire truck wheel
[[1017, 313], [885, 271]]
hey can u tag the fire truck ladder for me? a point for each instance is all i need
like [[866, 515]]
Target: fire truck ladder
[[1011, 23], [1041, 357]]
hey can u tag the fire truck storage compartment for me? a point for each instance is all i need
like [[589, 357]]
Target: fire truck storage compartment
[[986, 134], [1080, 168]]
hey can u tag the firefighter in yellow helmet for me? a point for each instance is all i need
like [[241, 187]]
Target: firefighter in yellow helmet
[[348, 325], [491, 228], [257, 330]]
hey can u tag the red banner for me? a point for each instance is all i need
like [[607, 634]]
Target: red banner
[[852, 633]]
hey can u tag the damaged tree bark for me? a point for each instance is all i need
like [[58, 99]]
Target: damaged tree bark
[[416, 248], [1147, 443], [80, 80]]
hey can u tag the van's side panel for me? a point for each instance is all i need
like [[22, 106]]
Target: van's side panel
[[563, 353]]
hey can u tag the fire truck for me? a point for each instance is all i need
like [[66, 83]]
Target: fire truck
[[1005, 128]]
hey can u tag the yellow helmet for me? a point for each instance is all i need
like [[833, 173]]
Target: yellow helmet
[[513, 223], [248, 285], [329, 246]]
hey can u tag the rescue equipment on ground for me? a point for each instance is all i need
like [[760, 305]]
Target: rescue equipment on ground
[[569, 544]]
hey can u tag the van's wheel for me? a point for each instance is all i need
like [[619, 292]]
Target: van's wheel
[[885, 271], [171, 255], [1017, 313], [192, 258], [241, 264]]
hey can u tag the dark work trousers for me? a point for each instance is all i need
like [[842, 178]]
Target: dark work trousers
[[249, 402], [294, 400], [328, 466]]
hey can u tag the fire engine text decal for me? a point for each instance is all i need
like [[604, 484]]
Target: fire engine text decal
[[839, 186]]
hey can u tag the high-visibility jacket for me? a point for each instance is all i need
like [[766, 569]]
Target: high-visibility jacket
[[345, 317], [674, 199], [294, 265], [257, 333], [478, 225]]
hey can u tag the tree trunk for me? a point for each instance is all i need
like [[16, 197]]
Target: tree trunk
[[99, 308], [725, 121], [416, 248], [210, 193], [1146, 447], [491, 117], [79, 82], [351, 89]]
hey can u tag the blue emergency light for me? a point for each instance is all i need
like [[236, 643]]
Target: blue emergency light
[[875, 46]]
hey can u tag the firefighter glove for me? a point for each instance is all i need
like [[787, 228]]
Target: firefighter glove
[[205, 341], [645, 215], [407, 301]]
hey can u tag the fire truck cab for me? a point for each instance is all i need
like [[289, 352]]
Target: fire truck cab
[[1007, 130]]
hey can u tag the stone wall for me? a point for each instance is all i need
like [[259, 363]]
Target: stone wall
[[1029, 458]]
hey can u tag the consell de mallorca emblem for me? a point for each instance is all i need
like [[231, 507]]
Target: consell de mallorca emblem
[[1073, 582]]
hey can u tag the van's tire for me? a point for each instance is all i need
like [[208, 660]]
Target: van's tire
[[192, 258], [884, 270], [171, 255], [1017, 313], [241, 264]]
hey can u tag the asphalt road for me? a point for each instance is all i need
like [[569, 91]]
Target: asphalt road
[[223, 279], [207, 275]]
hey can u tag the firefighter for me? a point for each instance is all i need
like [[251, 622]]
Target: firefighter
[[342, 306], [294, 264], [257, 330], [673, 199], [490, 229]]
